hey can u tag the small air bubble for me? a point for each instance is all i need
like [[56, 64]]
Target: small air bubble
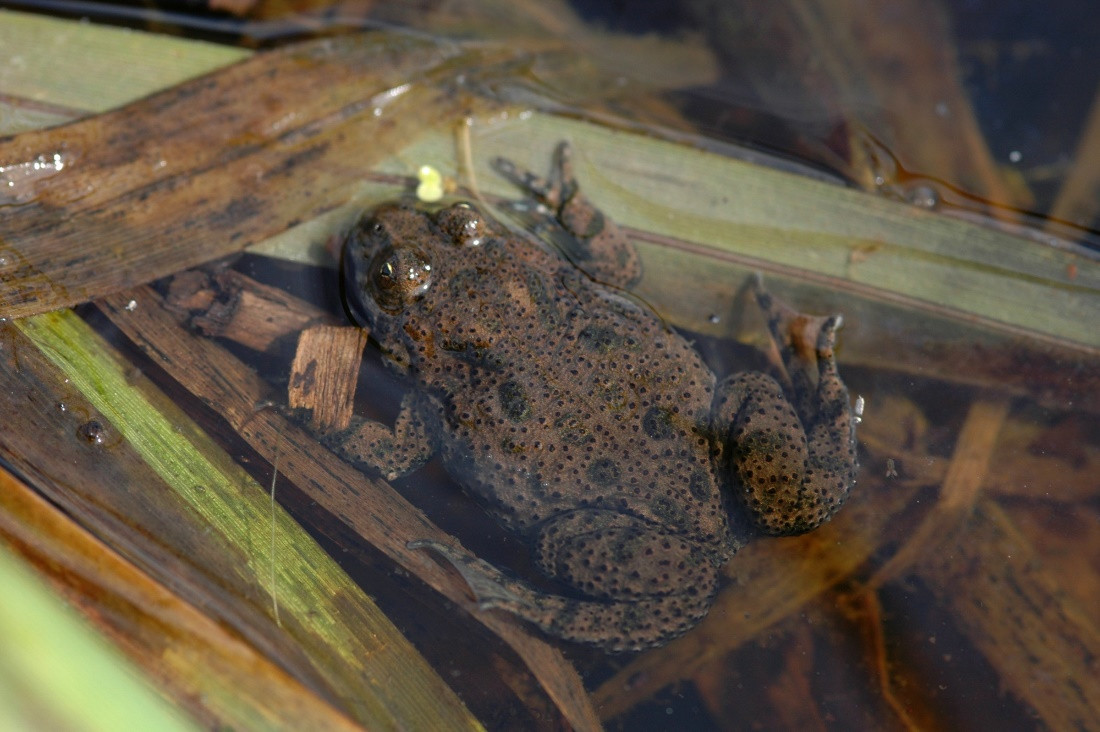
[[923, 197], [21, 179], [93, 432]]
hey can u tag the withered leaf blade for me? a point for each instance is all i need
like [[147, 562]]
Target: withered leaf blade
[[212, 165]]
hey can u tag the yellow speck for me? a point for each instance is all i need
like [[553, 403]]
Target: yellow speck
[[431, 184]]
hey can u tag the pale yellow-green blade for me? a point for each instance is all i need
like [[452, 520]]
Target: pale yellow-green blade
[[93, 68], [54, 670]]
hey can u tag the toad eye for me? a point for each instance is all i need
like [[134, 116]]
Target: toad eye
[[464, 224], [398, 276]]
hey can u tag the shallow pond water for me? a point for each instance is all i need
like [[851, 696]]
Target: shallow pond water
[[952, 589]]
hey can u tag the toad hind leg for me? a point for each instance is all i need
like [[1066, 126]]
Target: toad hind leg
[[641, 586], [795, 465]]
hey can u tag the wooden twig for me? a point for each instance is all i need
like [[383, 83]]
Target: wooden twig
[[324, 373], [231, 305]]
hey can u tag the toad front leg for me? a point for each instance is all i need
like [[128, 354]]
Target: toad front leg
[[794, 464], [593, 242], [391, 451]]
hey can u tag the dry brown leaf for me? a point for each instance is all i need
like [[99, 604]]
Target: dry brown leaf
[[215, 164]]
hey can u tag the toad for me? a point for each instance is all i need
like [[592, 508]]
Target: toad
[[580, 421]]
